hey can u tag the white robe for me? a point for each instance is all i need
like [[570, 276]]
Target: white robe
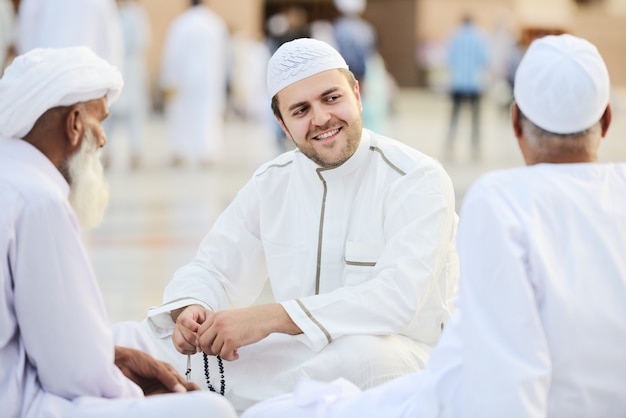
[[56, 345], [381, 229], [194, 71], [63, 23], [542, 323]]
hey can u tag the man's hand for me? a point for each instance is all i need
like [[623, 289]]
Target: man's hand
[[188, 320], [222, 333], [151, 375]]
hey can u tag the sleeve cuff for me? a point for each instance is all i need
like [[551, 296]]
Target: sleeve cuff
[[160, 318], [314, 335]]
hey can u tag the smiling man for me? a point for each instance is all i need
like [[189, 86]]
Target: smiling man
[[355, 233]]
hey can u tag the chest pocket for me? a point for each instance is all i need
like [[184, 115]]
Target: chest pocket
[[360, 259]]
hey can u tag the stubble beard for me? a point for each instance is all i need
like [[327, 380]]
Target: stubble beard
[[348, 148], [89, 191]]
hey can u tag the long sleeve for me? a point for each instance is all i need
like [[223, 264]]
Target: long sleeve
[[364, 249], [506, 356], [61, 315], [228, 270]]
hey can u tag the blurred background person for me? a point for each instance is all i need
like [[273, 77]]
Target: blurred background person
[[467, 65], [354, 36], [7, 24], [132, 107], [377, 95], [249, 59], [249, 98], [323, 30], [63, 23], [356, 39], [504, 55], [194, 74], [292, 22]]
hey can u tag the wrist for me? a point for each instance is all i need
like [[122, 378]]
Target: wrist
[[281, 320], [176, 312]]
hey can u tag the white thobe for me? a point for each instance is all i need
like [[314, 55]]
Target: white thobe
[[542, 321], [361, 257], [64, 23], [194, 71], [56, 345], [543, 291]]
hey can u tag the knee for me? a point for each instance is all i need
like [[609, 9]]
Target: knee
[[367, 360]]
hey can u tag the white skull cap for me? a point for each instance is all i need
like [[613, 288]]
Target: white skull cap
[[562, 84], [298, 59]]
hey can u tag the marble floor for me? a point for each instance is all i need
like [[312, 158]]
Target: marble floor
[[158, 214]]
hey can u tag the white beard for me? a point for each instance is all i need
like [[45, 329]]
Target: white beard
[[89, 191]]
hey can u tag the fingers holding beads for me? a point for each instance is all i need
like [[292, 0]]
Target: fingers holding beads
[[185, 334]]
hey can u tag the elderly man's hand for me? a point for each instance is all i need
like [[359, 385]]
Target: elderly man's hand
[[152, 376]]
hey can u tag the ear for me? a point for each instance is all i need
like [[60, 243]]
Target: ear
[[605, 121], [516, 120], [357, 93], [283, 127], [74, 126]]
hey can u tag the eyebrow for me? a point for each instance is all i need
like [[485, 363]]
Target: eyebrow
[[325, 93]]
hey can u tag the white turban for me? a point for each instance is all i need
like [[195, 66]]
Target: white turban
[[299, 59], [562, 84], [45, 78]]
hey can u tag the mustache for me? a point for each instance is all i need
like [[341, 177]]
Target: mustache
[[326, 127]]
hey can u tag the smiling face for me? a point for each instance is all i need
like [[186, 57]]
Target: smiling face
[[321, 114]]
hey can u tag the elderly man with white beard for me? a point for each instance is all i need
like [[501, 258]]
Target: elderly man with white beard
[[57, 349]]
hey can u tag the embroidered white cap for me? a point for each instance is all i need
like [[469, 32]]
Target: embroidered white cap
[[562, 84], [44, 78], [298, 59]]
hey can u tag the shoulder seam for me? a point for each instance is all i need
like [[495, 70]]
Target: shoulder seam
[[273, 166], [386, 160]]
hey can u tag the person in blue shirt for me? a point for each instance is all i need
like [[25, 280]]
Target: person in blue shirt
[[467, 63]]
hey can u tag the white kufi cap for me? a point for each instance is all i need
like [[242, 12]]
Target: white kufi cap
[[562, 84], [298, 59], [45, 78]]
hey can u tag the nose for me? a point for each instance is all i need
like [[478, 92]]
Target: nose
[[102, 140], [319, 115]]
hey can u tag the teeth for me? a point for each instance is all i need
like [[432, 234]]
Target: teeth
[[328, 134]]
